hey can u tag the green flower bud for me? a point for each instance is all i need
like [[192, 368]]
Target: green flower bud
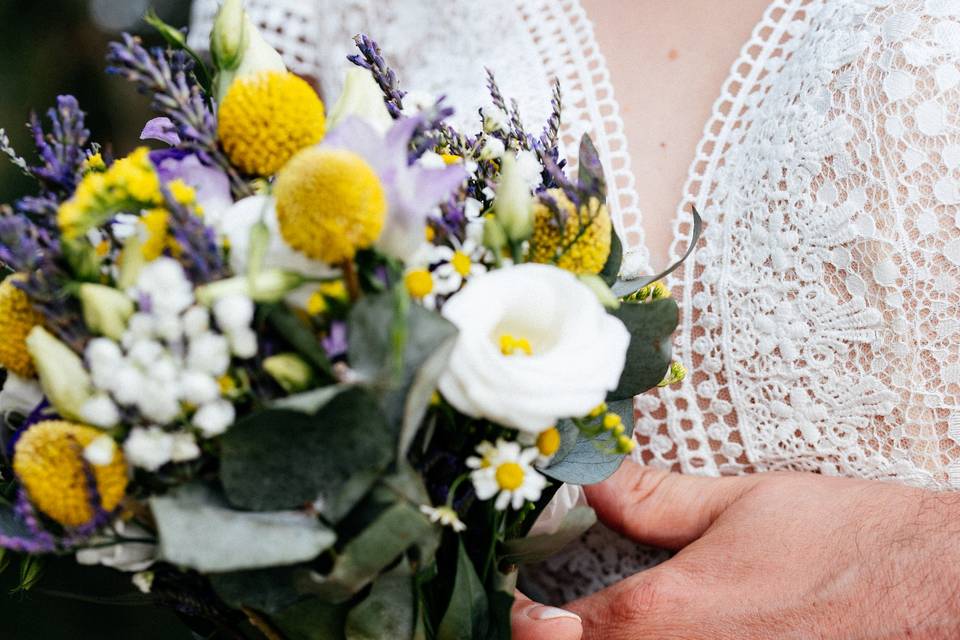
[[600, 289], [105, 310], [363, 98], [270, 285], [229, 37], [513, 205], [290, 371], [494, 237], [63, 377], [130, 262], [256, 55]]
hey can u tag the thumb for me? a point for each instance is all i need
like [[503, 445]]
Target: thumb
[[533, 621], [663, 509]]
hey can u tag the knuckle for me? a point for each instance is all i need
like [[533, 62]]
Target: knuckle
[[647, 595]]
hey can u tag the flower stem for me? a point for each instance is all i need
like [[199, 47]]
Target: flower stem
[[351, 279]]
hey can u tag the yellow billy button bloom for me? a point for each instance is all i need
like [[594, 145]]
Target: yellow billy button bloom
[[330, 203], [48, 459], [266, 118], [17, 318], [506, 471], [579, 243]]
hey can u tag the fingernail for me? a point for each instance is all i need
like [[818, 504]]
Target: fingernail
[[541, 612]]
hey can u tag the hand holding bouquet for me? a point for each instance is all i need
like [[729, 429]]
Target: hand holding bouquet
[[309, 372]]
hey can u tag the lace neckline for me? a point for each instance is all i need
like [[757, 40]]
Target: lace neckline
[[571, 24]]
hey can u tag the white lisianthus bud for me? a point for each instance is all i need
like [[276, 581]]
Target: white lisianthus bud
[[105, 310], [100, 411], [290, 371], [19, 395], [100, 452], [513, 205], [361, 97], [600, 289], [229, 37], [269, 285], [214, 418], [65, 381], [494, 237], [534, 346]]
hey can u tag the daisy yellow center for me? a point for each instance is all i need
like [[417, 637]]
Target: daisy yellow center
[[48, 460], [330, 204], [579, 242], [419, 283], [429, 233], [268, 117], [17, 318], [461, 263], [510, 345], [548, 442], [509, 476]]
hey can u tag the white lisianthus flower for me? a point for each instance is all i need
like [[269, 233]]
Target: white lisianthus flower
[[534, 346]]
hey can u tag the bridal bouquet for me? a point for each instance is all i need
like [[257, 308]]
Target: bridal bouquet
[[312, 372]]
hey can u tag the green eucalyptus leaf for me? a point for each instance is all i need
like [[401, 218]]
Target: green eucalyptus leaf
[[400, 349], [467, 615], [363, 558], [612, 268], [300, 337], [584, 461], [624, 288], [197, 529], [309, 401], [591, 178], [389, 612], [533, 549], [651, 325], [268, 590], [312, 619]]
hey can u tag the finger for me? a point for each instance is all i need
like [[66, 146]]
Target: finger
[[649, 604], [533, 621], [663, 509]]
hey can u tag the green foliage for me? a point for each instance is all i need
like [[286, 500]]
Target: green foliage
[[312, 619], [300, 337], [389, 612], [332, 457], [197, 529], [269, 590], [467, 615], [651, 325], [585, 457], [533, 549], [612, 268]]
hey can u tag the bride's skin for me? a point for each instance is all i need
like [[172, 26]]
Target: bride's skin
[[766, 556]]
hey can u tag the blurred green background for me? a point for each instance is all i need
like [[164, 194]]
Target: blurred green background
[[51, 47]]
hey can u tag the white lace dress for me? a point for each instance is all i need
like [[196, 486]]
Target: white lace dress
[[821, 313]]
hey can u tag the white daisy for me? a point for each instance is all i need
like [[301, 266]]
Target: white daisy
[[459, 264], [506, 471], [446, 516]]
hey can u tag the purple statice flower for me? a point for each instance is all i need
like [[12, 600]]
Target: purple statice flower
[[335, 343], [161, 129], [412, 190]]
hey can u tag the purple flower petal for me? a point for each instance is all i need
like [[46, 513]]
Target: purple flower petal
[[161, 129]]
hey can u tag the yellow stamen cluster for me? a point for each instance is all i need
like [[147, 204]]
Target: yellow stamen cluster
[[17, 318], [510, 345], [461, 263], [548, 442], [48, 460], [268, 117], [509, 476], [330, 203], [419, 283], [129, 183], [579, 243]]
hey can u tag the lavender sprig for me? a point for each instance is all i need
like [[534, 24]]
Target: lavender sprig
[[166, 77], [371, 58], [200, 255], [429, 133], [19, 246], [11, 153], [62, 150], [547, 146]]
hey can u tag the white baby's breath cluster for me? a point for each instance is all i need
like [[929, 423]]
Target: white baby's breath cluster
[[166, 366]]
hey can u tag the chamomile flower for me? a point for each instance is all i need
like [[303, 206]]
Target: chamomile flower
[[507, 473], [421, 285], [446, 516], [459, 264]]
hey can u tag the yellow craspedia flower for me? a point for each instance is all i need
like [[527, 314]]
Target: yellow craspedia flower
[[48, 460], [17, 318], [330, 203], [581, 245], [266, 118]]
